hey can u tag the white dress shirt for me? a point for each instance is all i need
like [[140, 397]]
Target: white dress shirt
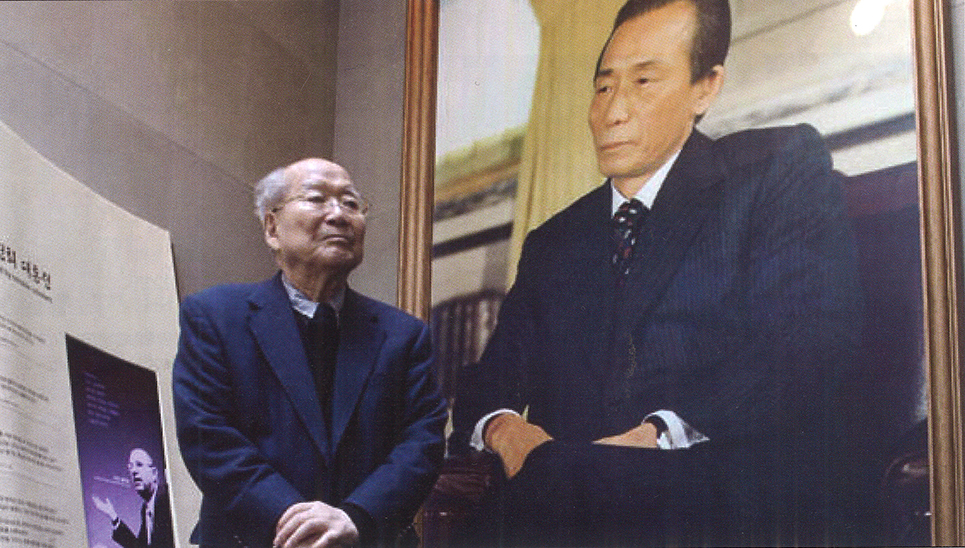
[[304, 305]]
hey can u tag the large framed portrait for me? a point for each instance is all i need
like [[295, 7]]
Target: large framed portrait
[[871, 75]]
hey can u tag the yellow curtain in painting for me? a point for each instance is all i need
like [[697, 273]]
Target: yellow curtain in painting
[[558, 164]]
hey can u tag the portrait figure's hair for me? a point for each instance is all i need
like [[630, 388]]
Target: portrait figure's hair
[[269, 192], [711, 40], [142, 450]]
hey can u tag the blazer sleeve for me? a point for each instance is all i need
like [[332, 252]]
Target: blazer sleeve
[[392, 493], [802, 305], [227, 467], [499, 379]]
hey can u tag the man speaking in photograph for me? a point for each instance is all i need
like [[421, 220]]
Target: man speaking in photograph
[[155, 530], [307, 414], [663, 367]]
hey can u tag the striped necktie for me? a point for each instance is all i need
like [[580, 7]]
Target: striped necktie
[[627, 221]]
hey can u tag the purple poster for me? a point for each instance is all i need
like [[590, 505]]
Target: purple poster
[[121, 450]]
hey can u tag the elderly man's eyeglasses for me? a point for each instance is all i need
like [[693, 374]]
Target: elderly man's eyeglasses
[[349, 203]]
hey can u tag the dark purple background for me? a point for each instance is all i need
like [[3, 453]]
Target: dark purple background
[[105, 443]]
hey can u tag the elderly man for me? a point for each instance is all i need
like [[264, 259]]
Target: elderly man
[[155, 530], [307, 413], [662, 370]]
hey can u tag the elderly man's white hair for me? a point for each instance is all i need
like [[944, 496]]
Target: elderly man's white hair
[[269, 192]]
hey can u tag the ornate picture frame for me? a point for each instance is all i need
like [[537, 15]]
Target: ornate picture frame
[[940, 231]]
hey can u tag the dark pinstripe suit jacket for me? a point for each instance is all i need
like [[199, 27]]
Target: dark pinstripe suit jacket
[[740, 312]]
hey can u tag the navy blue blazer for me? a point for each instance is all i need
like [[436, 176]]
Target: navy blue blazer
[[251, 429], [740, 310]]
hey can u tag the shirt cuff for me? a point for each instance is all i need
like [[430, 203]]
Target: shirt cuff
[[476, 441], [675, 434]]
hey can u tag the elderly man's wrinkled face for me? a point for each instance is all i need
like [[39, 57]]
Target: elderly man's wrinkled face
[[143, 472], [320, 225]]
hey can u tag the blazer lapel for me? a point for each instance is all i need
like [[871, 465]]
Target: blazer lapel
[[273, 324], [598, 239], [689, 193], [360, 341], [599, 236]]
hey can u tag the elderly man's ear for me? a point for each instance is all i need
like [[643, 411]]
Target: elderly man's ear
[[271, 230]]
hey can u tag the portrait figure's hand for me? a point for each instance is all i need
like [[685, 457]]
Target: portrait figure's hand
[[643, 436], [513, 438], [105, 506]]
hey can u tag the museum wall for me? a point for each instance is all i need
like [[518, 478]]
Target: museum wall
[[368, 129], [173, 109]]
